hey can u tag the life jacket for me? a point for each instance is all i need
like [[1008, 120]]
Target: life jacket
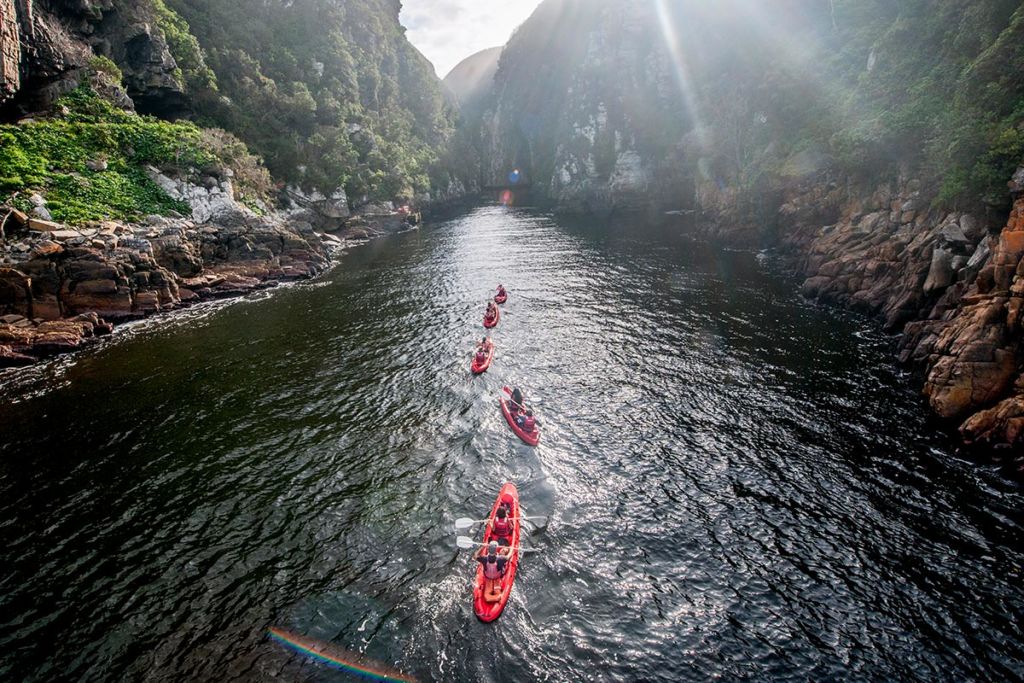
[[529, 424], [502, 527], [493, 570], [480, 357]]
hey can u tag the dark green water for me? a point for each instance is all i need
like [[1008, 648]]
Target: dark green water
[[740, 484]]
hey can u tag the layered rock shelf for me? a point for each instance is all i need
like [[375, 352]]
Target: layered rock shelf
[[62, 287]]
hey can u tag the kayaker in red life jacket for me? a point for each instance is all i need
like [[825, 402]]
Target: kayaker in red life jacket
[[529, 422], [501, 290], [494, 563], [492, 310], [502, 526], [481, 352]]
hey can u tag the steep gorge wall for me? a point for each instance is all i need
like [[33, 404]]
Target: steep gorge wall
[[584, 103], [870, 141]]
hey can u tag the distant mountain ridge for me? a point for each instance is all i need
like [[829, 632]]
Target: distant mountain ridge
[[472, 79]]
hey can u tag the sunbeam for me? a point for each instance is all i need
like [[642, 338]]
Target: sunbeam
[[679, 64]]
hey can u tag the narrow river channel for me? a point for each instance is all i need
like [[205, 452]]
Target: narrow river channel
[[740, 484]]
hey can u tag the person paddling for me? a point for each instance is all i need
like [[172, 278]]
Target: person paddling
[[501, 292], [529, 422], [494, 564], [492, 310], [502, 526], [481, 351]]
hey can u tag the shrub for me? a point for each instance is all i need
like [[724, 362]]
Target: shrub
[[104, 65]]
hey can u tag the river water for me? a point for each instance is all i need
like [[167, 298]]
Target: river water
[[740, 484]]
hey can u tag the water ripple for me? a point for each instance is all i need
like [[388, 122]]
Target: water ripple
[[740, 485]]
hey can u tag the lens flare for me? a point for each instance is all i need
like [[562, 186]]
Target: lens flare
[[338, 658]]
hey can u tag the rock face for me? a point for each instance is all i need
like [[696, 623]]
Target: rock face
[[59, 38], [326, 212], [579, 102], [879, 250], [140, 49], [24, 341], [974, 351], [10, 50]]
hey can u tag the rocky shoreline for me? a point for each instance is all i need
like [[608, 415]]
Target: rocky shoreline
[[949, 283], [62, 288]]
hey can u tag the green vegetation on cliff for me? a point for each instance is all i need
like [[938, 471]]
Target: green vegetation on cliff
[[751, 93], [64, 159], [329, 94], [934, 83], [932, 87]]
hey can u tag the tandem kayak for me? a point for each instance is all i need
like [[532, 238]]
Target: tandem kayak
[[507, 409], [478, 368], [487, 610], [501, 298], [492, 322]]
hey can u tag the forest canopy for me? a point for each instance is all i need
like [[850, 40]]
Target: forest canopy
[[330, 94]]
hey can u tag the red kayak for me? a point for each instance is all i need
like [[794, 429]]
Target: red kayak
[[501, 298], [507, 409], [492, 322], [478, 368], [490, 610]]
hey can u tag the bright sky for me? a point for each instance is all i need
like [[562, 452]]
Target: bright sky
[[448, 31]]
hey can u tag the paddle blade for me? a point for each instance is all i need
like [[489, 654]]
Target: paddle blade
[[465, 542], [464, 523]]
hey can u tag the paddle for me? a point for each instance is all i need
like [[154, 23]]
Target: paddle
[[521, 406], [467, 543], [465, 522], [512, 400]]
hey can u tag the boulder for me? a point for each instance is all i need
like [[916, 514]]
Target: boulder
[[40, 225], [46, 248], [15, 218], [940, 273], [64, 235]]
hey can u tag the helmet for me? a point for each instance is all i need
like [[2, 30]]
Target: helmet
[[492, 548]]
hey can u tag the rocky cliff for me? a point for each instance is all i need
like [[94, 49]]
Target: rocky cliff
[[578, 103], [58, 39], [112, 206], [10, 50], [871, 142]]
